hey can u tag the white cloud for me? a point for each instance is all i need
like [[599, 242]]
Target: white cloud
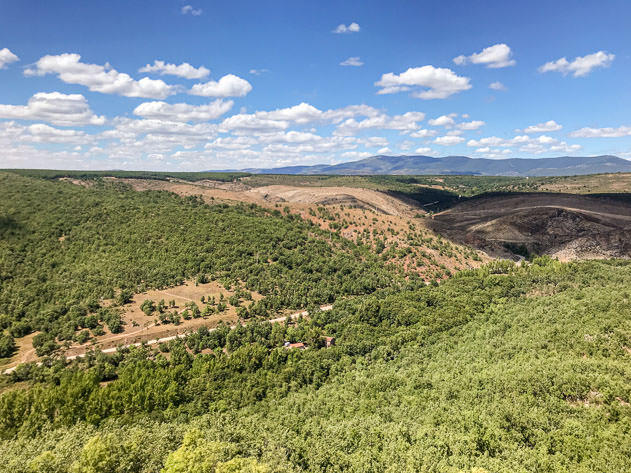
[[135, 137], [188, 9], [443, 120], [580, 66], [384, 150], [448, 140], [258, 72], [293, 137], [375, 142], [472, 125], [406, 122], [245, 124], [352, 61], [7, 57], [496, 56], [183, 70], [527, 144], [228, 86], [545, 127], [98, 78], [352, 28], [440, 82], [183, 112], [602, 132], [424, 133], [229, 142], [356, 155], [304, 113], [424, 150], [12, 134], [497, 85], [57, 108], [40, 133]]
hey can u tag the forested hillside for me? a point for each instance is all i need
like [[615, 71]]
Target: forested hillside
[[501, 369], [65, 248]]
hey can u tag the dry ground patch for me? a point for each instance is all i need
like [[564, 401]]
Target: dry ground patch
[[139, 327]]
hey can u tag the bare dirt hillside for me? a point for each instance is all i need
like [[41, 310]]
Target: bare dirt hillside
[[349, 196], [274, 194], [562, 225]]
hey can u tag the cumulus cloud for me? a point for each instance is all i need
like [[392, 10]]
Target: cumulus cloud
[[443, 120], [183, 112], [258, 72], [244, 124], [352, 28], [303, 114], [497, 85], [404, 123], [189, 10], [496, 56], [602, 132], [183, 70], [157, 135], [536, 145], [12, 134], [424, 133], [545, 127], [375, 142], [40, 133], [580, 66], [424, 150], [448, 140], [439, 82], [352, 61], [56, 108], [472, 125], [104, 79], [228, 86], [7, 57]]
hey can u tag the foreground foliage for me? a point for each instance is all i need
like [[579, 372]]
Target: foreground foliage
[[506, 369]]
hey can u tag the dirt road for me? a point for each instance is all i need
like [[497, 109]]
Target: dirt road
[[180, 335]]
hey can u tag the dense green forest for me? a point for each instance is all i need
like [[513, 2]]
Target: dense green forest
[[502, 369], [64, 248], [508, 368], [186, 176]]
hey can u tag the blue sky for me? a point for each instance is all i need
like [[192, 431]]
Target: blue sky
[[197, 84]]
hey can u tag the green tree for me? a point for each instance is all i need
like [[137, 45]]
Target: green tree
[[7, 345]]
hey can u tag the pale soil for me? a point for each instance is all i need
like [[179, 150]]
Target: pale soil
[[347, 196], [85, 348], [140, 327], [268, 196]]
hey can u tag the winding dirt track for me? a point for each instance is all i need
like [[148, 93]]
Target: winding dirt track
[[173, 337]]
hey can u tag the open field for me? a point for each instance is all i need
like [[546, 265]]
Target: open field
[[139, 327]]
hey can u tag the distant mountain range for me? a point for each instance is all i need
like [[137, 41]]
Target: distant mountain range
[[562, 166]]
